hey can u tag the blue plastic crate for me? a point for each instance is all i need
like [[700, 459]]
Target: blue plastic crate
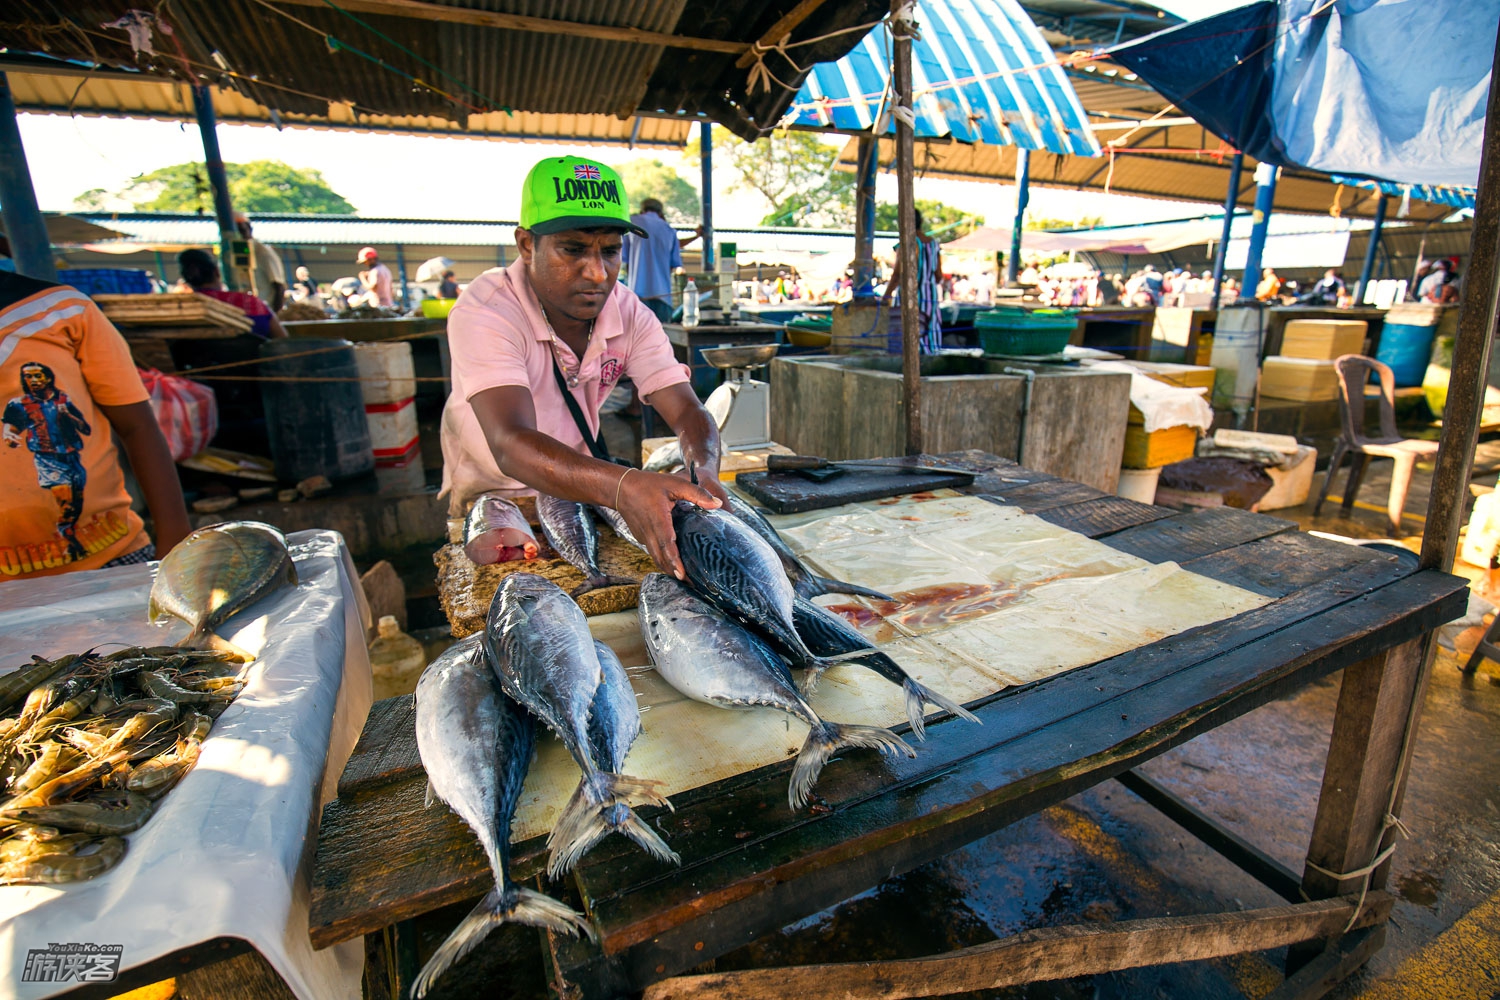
[[107, 280]]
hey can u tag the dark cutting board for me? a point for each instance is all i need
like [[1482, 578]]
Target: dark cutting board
[[791, 493]]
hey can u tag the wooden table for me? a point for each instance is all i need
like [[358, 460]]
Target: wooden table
[[751, 866], [688, 346]]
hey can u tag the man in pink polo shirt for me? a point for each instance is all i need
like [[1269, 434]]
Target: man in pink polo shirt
[[557, 321]]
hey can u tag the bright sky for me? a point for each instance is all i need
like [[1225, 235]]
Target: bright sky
[[451, 178]]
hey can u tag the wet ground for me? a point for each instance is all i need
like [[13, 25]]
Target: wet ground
[[1105, 855]]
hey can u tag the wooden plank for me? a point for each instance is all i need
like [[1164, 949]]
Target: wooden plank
[[173, 964], [387, 747], [972, 411], [1284, 563], [1332, 966], [800, 416], [1032, 956], [1240, 852], [1076, 427], [1103, 515], [885, 817], [1039, 496], [874, 421], [781, 30], [1196, 533], [148, 332]]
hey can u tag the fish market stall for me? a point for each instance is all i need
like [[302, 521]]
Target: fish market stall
[[1087, 633], [218, 870]]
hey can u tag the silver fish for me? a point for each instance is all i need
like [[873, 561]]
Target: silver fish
[[616, 522], [496, 531], [667, 458], [711, 659], [218, 571], [476, 745], [571, 531], [827, 634], [545, 659], [737, 571], [804, 581]]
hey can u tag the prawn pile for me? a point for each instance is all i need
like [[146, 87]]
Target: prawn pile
[[97, 741]]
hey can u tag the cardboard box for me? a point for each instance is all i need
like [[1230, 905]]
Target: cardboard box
[[1163, 447], [1303, 379], [1323, 339]]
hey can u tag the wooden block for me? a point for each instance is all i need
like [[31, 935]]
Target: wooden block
[[1302, 379], [1158, 448], [1323, 339], [385, 592], [1182, 376]]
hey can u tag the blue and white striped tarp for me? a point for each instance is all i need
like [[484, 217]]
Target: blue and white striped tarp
[[981, 72], [1437, 194]]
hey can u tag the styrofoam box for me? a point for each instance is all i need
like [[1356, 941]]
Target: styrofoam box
[[393, 430], [1290, 487], [388, 366]]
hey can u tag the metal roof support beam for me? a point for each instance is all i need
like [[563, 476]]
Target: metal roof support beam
[[540, 25], [30, 247], [1265, 195], [706, 159], [218, 182], [1231, 196], [1369, 265], [1023, 197], [906, 208]]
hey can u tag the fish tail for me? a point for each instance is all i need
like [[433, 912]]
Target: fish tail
[[828, 585], [825, 739], [513, 904], [602, 807], [600, 582], [918, 696], [818, 664]]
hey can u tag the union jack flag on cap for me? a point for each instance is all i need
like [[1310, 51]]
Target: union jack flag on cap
[[585, 171]]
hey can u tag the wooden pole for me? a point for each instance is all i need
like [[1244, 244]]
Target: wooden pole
[[1471, 356], [218, 181], [911, 320], [30, 247], [864, 214]]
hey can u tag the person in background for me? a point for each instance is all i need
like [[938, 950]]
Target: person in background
[[448, 287], [76, 391], [929, 281], [375, 279], [651, 261], [1269, 287], [267, 274], [1109, 289], [1326, 291], [1438, 286], [200, 272], [304, 287]]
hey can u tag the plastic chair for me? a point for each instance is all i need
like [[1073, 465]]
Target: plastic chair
[[1353, 371]]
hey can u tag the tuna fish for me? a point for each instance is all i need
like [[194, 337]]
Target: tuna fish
[[829, 635], [476, 745], [571, 531], [738, 572], [616, 522], [804, 581], [711, 659], [544, 657], [496, 531], [218, 571]]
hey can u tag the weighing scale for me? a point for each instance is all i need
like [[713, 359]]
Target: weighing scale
[[744, 402]]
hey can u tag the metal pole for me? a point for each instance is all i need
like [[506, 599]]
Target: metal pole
[[30, 246], [864, 214], [911, 320], [706, 156], [1477, 317], [1369, 266], [401, 270], [1265, 195], [218, 181], [1231, 201], [1023, 196]]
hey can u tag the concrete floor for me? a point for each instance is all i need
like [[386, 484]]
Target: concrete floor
[[1105, 855]]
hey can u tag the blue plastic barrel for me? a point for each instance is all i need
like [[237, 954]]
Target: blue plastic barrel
[[1406, 349], [315, 412]]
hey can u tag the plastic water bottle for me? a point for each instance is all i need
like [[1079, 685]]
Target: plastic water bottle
[[690, 305], [396, 660]]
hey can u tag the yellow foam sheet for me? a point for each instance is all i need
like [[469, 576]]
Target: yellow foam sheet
[[997, 598]]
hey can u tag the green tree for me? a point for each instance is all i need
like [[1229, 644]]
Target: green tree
[[1087, 222], [654, 179], [258, 186], [943, 221], [795, 173]]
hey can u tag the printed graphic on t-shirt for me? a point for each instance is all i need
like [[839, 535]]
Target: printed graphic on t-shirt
[[610, 372], [52, 428]]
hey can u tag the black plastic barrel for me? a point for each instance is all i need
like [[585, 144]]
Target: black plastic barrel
[[316, 427]]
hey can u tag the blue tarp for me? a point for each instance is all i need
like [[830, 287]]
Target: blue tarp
[[981, 72], [1386, 89]]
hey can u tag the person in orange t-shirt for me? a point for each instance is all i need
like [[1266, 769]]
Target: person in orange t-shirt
[[62, 489]]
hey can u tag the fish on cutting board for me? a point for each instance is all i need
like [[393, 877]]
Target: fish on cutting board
[[572, 533], [496, 531]]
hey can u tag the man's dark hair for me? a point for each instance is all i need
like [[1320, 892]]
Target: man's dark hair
[[653, 205], [199, 269]]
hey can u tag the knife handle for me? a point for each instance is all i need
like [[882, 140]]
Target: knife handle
[[790, 463]]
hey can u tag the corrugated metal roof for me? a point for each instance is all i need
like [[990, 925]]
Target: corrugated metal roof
[[118, 95], [981, 72], [296, 59]]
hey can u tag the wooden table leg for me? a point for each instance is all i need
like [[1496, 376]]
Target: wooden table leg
[[1374, 729]]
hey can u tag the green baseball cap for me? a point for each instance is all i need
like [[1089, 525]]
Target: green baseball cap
[[569, 192]]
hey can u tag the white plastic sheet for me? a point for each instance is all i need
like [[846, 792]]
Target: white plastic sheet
[[1160, 404], [228, 852]]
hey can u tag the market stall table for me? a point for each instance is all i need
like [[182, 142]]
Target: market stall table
[[750, 865]]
